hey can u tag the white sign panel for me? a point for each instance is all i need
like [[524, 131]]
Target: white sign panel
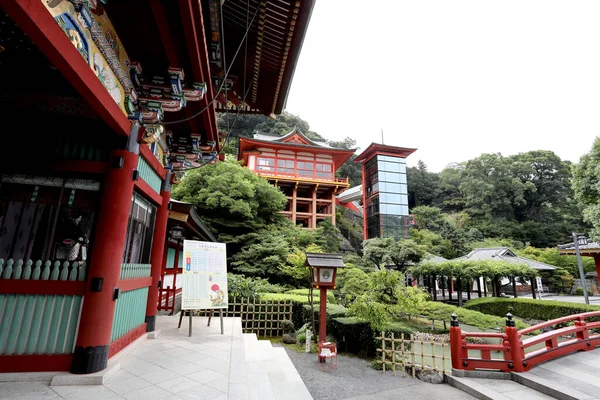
[[204, 275]]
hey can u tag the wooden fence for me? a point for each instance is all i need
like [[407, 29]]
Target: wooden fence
[[262, 317], [411, 353]]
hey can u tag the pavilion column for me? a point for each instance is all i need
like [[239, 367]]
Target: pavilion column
[[156, 256], [313, 217], [294, 202], [597, 262], [95, 326], [333, 207]]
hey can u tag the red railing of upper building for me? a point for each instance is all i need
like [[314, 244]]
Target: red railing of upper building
[[517, 353]]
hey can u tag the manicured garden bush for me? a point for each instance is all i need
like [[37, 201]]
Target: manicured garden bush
[[542, 310], [287, 296], [579, 292], [484, 321], [316, 294]]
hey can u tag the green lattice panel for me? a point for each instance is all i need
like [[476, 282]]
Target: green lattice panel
[[148, 174], [133, 271], [38, 324], [130, 312]]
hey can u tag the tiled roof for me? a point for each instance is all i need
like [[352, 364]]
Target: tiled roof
[[504, 254], [324, 260], [571, 246]]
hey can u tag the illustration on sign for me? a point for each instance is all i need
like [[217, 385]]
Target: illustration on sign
[[204, 275]]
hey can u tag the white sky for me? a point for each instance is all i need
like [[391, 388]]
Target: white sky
[[453, 78]]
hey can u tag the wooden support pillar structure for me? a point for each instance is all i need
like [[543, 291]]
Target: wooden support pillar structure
[[514, 286], [434, 288], [156, 256], [450, 288], [484, 286], [313, 217], [469, 289], [294, 202], [533, 287], [443, 283], [479, 287], [95, 326], [333, 206], [459, 292]]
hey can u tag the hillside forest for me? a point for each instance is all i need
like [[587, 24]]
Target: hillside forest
[[530, 202]]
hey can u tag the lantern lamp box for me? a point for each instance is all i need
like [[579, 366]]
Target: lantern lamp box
[[204, 283]]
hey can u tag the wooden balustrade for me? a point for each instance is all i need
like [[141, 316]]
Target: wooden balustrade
[[134, 271], [43, 270]]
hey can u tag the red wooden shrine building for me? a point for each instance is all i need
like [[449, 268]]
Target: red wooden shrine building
[[302, 168], [104, 105]]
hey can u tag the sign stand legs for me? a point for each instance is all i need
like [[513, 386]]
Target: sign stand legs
[[190, 314], [221, 318]]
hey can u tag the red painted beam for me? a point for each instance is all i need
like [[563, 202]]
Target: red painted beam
[[152, 161], [147, 191], [37, 23], [131, 284], [22, 286], [36, 363], [193, 25]]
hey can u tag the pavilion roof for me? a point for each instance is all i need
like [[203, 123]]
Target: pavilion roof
[[295, 141], [590, 248], [376, 148], [186, 215], [504, 254]]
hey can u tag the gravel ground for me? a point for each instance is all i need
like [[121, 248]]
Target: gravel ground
[[354, 379]]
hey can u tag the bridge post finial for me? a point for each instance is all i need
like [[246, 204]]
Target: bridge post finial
[[509, 320], [454, 321]]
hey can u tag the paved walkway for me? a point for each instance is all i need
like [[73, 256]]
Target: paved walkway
[[207, 365], [356, 380]]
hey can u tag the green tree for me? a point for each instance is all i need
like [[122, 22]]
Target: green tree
[[388, 252], [586, 184], [350, 169], [424, 187]]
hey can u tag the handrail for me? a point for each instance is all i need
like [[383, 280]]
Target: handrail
[[578, 317], [513, 347]]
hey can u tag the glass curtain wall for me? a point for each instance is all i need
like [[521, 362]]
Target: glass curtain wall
[[386, 197]]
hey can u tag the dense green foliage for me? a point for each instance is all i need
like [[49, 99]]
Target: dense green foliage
[[392, 253], [441, 311], [243, 209], [474, 269], [542, 310], [586, 178], [526, 197]]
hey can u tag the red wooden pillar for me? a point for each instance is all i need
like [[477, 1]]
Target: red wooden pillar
[[156, 256], [597, 262], [455, 343], [322, 321], [516, 345], [95, 326]]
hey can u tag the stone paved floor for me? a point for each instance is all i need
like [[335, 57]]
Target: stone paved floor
[[173, 366]]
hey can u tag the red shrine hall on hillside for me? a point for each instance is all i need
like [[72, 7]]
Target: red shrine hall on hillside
[[303, 168], [105, 105]]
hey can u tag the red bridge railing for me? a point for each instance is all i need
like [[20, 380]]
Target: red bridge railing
[[518, 352]]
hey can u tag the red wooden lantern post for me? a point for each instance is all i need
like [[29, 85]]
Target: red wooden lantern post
[[323, 268]]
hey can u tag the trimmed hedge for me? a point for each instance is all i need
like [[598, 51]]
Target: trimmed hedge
[[484, 321], [542, 310], [316, 294], [297, 298]]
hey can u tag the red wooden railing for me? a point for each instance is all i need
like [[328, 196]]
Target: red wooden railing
[[515, 352], [166, 298]]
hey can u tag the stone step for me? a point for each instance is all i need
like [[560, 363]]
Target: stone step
[[550, 387], [495, 389]]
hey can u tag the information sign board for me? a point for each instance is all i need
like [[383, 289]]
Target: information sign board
[[204, 277]]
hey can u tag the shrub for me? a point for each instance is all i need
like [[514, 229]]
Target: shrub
[[286, 296], [239, 285], [579, 292], [483, 321], [316, 294], [542, 310]]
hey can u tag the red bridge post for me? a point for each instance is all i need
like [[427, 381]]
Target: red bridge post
[[516, 345], [455, 343]]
